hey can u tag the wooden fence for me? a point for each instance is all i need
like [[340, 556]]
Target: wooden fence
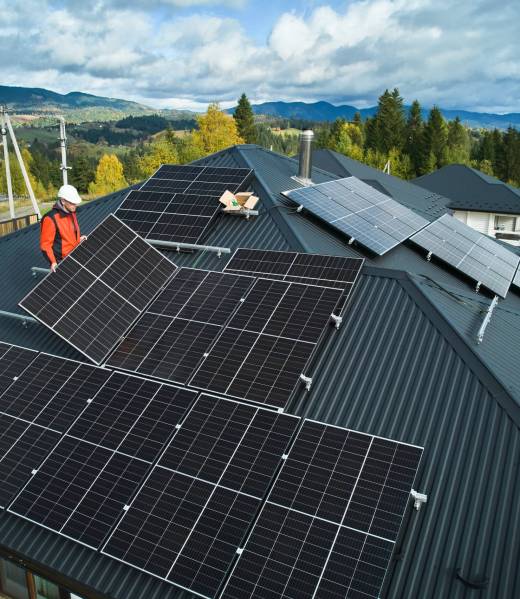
[[14, 224]]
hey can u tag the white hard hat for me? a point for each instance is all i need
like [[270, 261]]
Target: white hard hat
[[70, 194]]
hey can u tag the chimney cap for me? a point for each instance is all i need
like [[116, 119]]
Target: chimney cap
[[307, 134]]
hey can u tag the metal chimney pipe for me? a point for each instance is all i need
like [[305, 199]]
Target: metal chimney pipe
[[305, 165]]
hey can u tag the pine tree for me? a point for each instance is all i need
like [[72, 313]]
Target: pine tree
[[458, 143], [82, 172], [216, 131], [109, 176], [511, 156], [244, 120], [414, 137], [435, 145], [389, 122]]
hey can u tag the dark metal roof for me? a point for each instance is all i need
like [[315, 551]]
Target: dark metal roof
[[404, 365], [469, 189]]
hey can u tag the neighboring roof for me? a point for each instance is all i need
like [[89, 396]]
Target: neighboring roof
[[427, 204], [469, 189], [404, 364]]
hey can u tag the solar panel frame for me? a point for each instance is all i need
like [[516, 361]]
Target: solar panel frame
[[335, 528], [100, 313], [471, 252], [361, 212]]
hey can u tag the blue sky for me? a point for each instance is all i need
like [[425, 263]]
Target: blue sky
[[186, 53]]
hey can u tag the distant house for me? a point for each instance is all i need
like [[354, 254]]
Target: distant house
[[479, 200]]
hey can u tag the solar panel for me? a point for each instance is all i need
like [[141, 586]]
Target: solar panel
[[171, 338], [331, 519], [311, 269], [268, 342], [195, 508], [180, 203], [358, 210], [470, 252], [100, 289]]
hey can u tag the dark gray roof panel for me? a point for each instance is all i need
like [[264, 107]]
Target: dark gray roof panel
[[469, 189]]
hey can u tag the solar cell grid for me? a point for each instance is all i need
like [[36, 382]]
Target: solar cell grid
[[99, 289], [171, 338], [183, 530], [23, 447], [232, 444], [133, 416], [52, 391], [13, 362], [362, 212], [266, 345], [80, 490], [472, 253]]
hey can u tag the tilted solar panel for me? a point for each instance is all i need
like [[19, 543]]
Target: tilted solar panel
[[99, 289], [331, 520], [470, 252], [358, 210], [179, 203]]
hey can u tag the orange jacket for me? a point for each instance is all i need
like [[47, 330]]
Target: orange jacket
[[59, 233]]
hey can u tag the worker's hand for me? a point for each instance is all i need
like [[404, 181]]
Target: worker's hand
[[54, 266], [83, 238]]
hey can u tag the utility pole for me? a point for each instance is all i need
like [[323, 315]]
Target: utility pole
[[3, 132]]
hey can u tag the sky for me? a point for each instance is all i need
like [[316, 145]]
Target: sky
[[187, 53]]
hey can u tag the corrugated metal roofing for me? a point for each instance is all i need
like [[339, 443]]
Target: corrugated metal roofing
[[401, 366], [469, 189]]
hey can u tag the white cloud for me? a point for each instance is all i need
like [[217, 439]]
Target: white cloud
[[456, 55]]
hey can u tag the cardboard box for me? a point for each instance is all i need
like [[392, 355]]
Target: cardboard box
[[240, 201]]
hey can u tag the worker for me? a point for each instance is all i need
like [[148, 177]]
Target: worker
[[59, 233]]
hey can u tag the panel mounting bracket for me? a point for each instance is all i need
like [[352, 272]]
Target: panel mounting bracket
[[418, 499], [429, 256], [337, 320], [477, 286], [307, 380], [351, 240]]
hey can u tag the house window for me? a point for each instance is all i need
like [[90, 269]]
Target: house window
[[505, 222]]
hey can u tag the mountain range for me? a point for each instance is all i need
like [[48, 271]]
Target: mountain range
[[324, 111], [78, 107]]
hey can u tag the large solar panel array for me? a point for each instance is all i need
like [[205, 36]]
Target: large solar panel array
[[234, 335], [179, 203], [331, 519], [474, 254], [310, 269], [99, 289], [194, 510], [358, 210], [81, 439]]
